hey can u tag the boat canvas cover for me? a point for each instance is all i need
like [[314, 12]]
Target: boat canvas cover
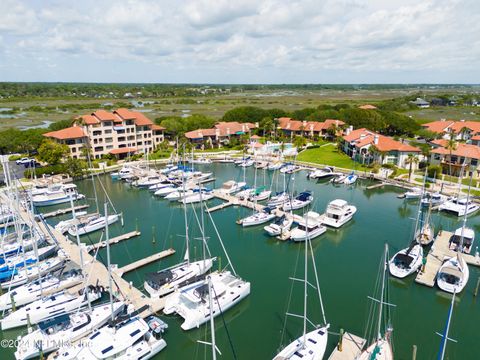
[[453, 271], [456, 239], [403, 260], [159, 278], [62, 319], [303, 196]]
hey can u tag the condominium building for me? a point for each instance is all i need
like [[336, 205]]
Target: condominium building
[[121, 132]]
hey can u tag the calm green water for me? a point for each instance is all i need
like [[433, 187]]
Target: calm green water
[[347, 261]]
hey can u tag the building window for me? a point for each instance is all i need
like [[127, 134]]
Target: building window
[[129, 122], [109, 147], [98, 148], [107, 123], [474, 162], [131, 137], [97, 132], [121, 138], [108, 131], [109, 140]]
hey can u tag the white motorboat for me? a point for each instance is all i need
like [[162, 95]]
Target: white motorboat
[[192, 302], [279, 199], [63, 329], [132, 339], [200, 195], [338, 213], [435, 199], [275, 165], [164, 282], [351, 179], [413, 193], [258, 218], [310, 225], [300, 201], [32, 291], [93, 225], [406, 261], [459, 206], [462, 240], [453, 275], [125, 172], [53, 305], [321, 173], [246, 163], [288, 168], [166, 190], [231, 187], [179, 194], [60, 196], [339, 179], [33, 272], [245, 193], [279, 226], [201, 160], [160, 185]]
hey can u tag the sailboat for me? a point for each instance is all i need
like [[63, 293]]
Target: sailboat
[[68, 328], [192, 302], [279, 226], [164, 282], [408, 260], [381, 347], [312, 344], [453, 275], [425, 235]]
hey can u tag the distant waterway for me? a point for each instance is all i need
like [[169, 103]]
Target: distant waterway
[[347, 260]]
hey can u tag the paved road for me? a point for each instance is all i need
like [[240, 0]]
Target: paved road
[[15, 170]]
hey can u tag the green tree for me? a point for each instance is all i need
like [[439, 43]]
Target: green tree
[[410, 161], [75, 167], [52, 152], [451, 147], [299, 142], [59, 125]]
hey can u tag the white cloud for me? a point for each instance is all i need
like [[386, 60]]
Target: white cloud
[[304, 39]]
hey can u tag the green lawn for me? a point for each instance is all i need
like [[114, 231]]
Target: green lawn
[[328, 155]]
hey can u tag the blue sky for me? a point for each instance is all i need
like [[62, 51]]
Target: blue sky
[[225, 41]]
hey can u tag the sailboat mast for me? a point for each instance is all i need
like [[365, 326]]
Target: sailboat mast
[[107, 237], [305, 286], [443, 345], [464, 221], [212, 320], [203, 225], [77, 235], [380, 308], [187, 241]]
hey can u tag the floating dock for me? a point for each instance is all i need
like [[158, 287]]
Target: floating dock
[[439, 252], [145, 261], [114, 240], [351, 347], [63, 211]]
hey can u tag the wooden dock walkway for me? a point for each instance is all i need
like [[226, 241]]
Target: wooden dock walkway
[[115, 240], [439, 252], [97, 273], [375, 186], [219, 207], [64, 211], [352, 345], [145, 261]]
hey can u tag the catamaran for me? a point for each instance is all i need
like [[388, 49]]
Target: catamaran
[[459, 206]]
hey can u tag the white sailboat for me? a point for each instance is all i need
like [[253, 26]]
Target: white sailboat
[[279, 226], [164, 282], [93, 225], [453, 275], [312, 344], [303, 199], [381, 347], [258, 217]]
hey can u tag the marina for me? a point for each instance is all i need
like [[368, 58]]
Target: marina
[[151, 240]]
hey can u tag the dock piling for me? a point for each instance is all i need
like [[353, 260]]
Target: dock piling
[[414, 352], [340, 341], [476, 287]]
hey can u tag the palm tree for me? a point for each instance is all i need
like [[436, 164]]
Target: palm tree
[[411, 159], [451, 146]]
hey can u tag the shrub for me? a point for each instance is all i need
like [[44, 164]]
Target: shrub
[[434, 171], [15, 157], [46, 170]]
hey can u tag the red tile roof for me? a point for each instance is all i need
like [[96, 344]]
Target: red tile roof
[[125, 114], [74, 132], [122, 151], [104, 115], [476, 137], [200, 133], [141, 119], [157, 127], [286, 123], [464, 150], [222, 129], [438, 127], [440, 142], [363, 137], [474, 126], [90, 120]]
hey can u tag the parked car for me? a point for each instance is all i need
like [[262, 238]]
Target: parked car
[[24, 160]]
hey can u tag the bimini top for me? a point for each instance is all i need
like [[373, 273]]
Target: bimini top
[[159, 278], [304, 196]]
